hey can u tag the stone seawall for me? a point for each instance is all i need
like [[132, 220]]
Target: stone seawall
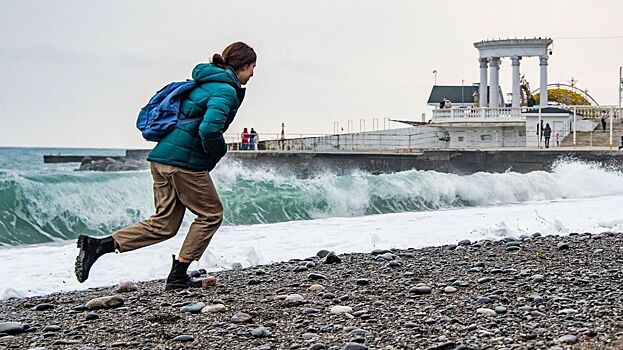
[[458, 162]]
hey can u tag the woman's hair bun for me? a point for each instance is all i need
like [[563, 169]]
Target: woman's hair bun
[[218, 60]]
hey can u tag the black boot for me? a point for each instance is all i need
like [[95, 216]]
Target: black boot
[[90, 250], [179, 279]]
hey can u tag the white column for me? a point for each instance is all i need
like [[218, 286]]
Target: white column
[[543, 90], [482, 89], [516, 87], [494, 67]]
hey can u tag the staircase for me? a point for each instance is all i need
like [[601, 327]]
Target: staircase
[[597, 137]]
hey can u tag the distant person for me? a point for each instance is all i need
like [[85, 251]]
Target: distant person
[[539, 132], [253, 139], [442, 103], [244, 138], [180, 166], [547, 132], [603, 121], [557, 139], [447, 103], [531, 101]]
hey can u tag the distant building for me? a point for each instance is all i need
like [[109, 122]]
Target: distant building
[[460, 96]]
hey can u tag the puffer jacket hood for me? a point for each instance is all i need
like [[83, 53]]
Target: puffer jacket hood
[[209, 73]]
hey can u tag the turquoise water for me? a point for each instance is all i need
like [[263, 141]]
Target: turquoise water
[[50, 202]]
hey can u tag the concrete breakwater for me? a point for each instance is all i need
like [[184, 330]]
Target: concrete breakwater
[[447, 161], [450, 161]]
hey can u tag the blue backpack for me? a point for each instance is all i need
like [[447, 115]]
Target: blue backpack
[[160, 115]]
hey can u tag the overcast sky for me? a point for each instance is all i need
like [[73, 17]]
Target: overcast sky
[[75, 73]]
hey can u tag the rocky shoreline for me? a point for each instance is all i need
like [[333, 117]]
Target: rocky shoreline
[[536, 292]]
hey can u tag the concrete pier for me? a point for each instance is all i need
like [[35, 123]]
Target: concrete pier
[[451, 161], [305, 163]]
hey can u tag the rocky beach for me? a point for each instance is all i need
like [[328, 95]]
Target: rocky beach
[[541, 292]]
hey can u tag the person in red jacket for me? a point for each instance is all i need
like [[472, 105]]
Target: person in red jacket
[[245, 139]]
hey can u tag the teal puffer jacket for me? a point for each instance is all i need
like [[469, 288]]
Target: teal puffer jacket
[[199, 145]]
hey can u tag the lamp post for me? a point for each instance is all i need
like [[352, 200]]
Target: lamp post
[[435, 75]]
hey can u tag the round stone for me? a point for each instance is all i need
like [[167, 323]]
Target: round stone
[[300, 268], [420, 290], [538, 278], [465, 242], [483, 300], [486, 312], [332, 258], [209, 281], [126, 287], [43, 307], [316, 288], [316, 276], [322, 253], [450, 289], [184, 338], [362, 282], [51, 328], [90, 316], [568, 339], [354, 346], [12, 327], [294, 299], [214, 308], [340, 309], [241, 317], [260, 332], [500, 309], [193, 308], [106, 302]]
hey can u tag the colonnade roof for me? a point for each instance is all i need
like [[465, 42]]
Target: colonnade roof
[[513, 47]]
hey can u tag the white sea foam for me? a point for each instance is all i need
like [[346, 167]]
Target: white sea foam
[[47, 268]]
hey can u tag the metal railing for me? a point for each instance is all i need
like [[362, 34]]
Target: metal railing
[[447, 132]]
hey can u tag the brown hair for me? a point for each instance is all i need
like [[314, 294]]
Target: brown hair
[[236, 55]]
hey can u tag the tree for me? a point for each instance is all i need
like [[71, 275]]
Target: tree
[[564, 96]]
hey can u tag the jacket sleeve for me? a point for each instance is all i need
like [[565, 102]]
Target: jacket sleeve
[[213, 124]]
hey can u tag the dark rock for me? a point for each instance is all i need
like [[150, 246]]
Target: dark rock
[[184, 338], [420, 290], [51, 328], [362, 282], [321, 254], [332, 258], [300, 268], [317, 346], [12, 327], [445, 346], [90, 316], [43, 307], [316, 277]]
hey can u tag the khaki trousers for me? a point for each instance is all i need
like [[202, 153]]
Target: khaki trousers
[[176, 189]]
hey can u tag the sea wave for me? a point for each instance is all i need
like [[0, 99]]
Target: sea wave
[[59, 205]]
